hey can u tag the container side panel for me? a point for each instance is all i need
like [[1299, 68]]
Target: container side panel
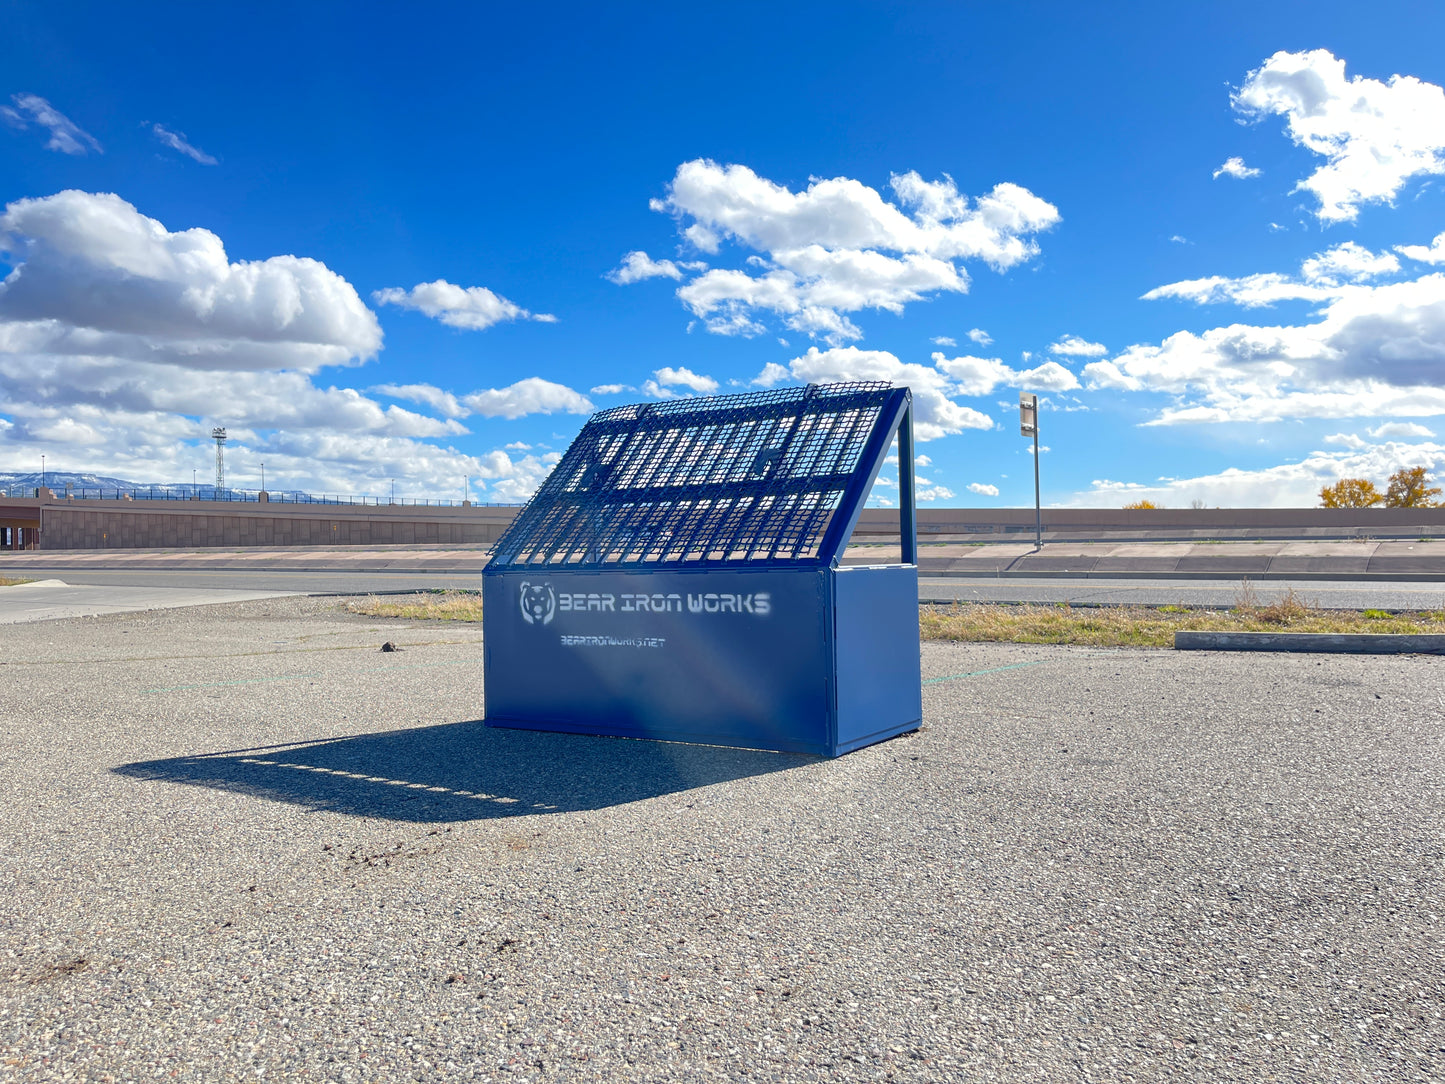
[[725, 658], [879, 684]]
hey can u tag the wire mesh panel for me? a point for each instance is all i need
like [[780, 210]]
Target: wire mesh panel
[[732, 479]]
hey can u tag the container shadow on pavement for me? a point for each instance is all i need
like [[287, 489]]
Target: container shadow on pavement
[[462, 772]]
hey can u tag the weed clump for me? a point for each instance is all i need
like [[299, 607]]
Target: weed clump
[[434, 605]]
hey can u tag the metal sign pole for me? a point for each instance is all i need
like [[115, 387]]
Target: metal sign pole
[[1029, 426], [1038, 507]]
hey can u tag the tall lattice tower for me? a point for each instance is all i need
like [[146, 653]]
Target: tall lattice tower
[[218, 434]]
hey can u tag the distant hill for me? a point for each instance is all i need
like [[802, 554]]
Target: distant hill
[[95, 485], [16, 484], [57, 480]]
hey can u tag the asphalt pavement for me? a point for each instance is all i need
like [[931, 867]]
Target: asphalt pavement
[[240, 843], [132, 588]]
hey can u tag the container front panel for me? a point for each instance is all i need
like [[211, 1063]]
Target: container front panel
[[727, 658]]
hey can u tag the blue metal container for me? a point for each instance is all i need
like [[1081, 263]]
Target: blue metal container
[[677, 577]]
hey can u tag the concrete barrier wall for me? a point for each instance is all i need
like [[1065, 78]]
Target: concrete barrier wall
[[111, 524], [1084, 521], [123, 524]]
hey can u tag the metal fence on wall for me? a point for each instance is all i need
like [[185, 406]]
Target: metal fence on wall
[[207, 493]]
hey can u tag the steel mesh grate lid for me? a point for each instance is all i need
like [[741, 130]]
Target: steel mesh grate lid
[[730, 479]]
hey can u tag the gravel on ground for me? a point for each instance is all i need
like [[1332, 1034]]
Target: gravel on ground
[[242, 843]]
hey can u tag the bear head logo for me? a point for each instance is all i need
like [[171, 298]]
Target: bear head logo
[[539, 603]]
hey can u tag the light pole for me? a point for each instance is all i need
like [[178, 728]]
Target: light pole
[[218, 434], [1029, 427], [194, 491], [263, 477], [42, 470]]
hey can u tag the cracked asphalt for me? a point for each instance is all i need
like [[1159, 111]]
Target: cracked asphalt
[[240, 843]]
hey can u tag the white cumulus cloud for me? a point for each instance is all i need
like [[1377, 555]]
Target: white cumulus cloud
[[1074, 346], [1373, 135], [1321, 278], [669, 377], [637, 266], [1349, 262], [983, 489], [98, 278], [122, 342], [839, 246], [532, 395], [1235, 167], [1401, 431], [1376, 350], [979, 376], [474, 308], [443, 402], [1434, 252], [935, 412], [508, 480], [980, 336]]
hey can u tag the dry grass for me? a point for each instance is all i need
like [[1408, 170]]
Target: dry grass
[[1095, 626], [432, 606], [6, 581], [1149, 626]]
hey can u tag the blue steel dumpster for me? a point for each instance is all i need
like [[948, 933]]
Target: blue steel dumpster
[[678, 577]]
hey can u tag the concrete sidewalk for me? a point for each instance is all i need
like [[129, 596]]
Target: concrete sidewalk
[[1419, 560], [438, 558], [47, 600]]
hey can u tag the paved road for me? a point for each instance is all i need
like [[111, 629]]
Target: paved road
[[1332, 594], [48, 600], [241, 840], [261, 579]]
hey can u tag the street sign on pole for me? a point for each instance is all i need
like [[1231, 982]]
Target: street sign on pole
[[1028, 414], [1029, 427]]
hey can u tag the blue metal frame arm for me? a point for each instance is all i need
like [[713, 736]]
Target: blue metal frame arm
[[907, 492], [895, 410]]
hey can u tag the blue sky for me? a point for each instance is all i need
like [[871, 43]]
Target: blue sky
[[381, 244]]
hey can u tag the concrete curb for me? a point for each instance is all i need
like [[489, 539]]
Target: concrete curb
[[1339, 643]]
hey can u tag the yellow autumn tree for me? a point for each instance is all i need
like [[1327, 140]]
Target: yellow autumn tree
[[1351, 493], [1410, 488], [1143, 504]]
